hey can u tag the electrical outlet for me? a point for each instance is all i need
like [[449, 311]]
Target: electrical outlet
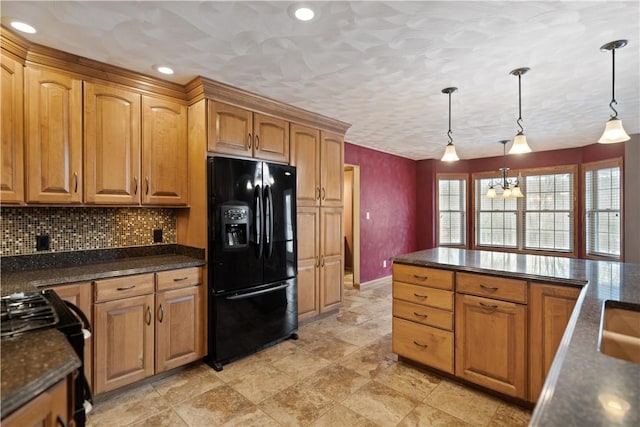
[[157, 236], [43, 243], [384, 263]]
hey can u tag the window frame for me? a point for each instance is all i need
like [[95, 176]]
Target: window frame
[[550, 170], [465, 223], [593, 166]]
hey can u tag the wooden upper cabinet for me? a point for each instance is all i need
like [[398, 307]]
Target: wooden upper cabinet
[[237, 131], [12, 155], [54, 137], [305, 156], [164, 152], [111, 145], [332, 169]]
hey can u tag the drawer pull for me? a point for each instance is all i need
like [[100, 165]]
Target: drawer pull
[[491, 306], [126, 288], [420, 295], [420, 345], [420, 315], [420, 277], [180, 279], [488, 288]]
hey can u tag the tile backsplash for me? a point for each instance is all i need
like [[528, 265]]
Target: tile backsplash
[[74, 229]]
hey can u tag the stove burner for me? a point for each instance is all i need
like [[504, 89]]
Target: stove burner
[[25, 312]]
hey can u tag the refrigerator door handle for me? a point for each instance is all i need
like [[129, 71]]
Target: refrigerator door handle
[[268, 220], [257, 220], [260, 292]]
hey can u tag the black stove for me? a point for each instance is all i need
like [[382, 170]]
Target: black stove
[[26, 312]]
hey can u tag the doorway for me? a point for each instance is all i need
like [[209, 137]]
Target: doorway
[[352, 226]]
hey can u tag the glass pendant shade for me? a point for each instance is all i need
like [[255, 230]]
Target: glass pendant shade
[[450, 154], [520, 144], [613, 132], [515, 192], [506, 193], [491, 193]]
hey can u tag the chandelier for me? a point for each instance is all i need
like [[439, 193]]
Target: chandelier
[[510, 186]]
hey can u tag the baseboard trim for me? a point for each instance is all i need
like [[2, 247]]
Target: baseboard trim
[[372, 283]]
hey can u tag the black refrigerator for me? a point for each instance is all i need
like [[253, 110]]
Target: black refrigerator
[[252, 257]]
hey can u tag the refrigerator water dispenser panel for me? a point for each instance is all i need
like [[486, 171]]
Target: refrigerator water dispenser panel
[[235, 223]]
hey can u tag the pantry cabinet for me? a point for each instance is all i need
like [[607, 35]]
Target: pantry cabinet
[[238, 131], [53, 137], [308, 223], [550, 308], [331, 258], [12, 132]]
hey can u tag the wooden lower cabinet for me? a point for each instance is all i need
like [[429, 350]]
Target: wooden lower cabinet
[[424, 344], [550, 307], [491, 344], [331, 258], [124, 341], [51, 408]]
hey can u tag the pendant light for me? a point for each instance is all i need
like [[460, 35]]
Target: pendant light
[[510, 188], [450, 154], [613, 131], [520, 141]]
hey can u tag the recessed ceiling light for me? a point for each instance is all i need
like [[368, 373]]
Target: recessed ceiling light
[[164, 70], [304, 14], [21, 26]]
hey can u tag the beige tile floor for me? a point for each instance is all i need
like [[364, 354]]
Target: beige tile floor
[[341, 372]]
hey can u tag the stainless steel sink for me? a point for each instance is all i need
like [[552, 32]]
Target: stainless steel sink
[[620, 330]]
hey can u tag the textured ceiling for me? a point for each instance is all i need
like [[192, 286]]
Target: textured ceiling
[[382, 65]]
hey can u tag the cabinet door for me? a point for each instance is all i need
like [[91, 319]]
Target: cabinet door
[[550, 308], [111, 145], [164, 152], [12, 130], [54, 137], [230, 130], [491, 344], [305, 156], [179, 327], [331, 259], [308, 220], [79, 294], [271, 138], [53, 407], [124, 335], [331, 169]]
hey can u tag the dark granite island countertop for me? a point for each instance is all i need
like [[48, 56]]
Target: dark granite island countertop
[[31, 363], [584, 387]]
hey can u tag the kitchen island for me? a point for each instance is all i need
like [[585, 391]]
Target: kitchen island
[[584, 387]]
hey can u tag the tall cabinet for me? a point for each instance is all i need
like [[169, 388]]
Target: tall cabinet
[[319, 159]]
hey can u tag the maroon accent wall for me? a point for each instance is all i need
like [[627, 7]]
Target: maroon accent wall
[[388, 193]]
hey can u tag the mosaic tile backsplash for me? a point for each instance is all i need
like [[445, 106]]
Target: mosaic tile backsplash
[[74, 229]]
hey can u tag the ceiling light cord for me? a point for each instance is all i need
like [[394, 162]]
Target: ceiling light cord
[[449, 132], [519, 121], [613, 84]]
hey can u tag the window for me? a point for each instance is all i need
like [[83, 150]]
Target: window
[[541, 221], [603, 194], [452, 210]]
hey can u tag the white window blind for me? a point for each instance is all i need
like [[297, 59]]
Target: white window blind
[[602, 212], [496, 218], [452, 201]]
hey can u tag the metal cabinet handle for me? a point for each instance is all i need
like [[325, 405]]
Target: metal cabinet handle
[[249, 141], [420, 344], [317, 193], [146, 180], [491, 306], [135, 182], [317, 262], [160, 313], [257, 137], [322, 261], [75, 176], [180, 279], [488, 288], [148, 315], [420, 295], [424, 316], [324, 193], [126, 288], [420, 277]]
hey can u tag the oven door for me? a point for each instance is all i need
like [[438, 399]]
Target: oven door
[[242, 323]]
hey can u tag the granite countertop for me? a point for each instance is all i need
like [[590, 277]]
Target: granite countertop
[[584, 387], [26, 372]]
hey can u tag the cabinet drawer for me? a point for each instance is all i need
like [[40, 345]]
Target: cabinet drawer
[[423, 276], [423, 295], [426, 315], [123, 287], [492, 286], [181, 278], [430, 346]]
